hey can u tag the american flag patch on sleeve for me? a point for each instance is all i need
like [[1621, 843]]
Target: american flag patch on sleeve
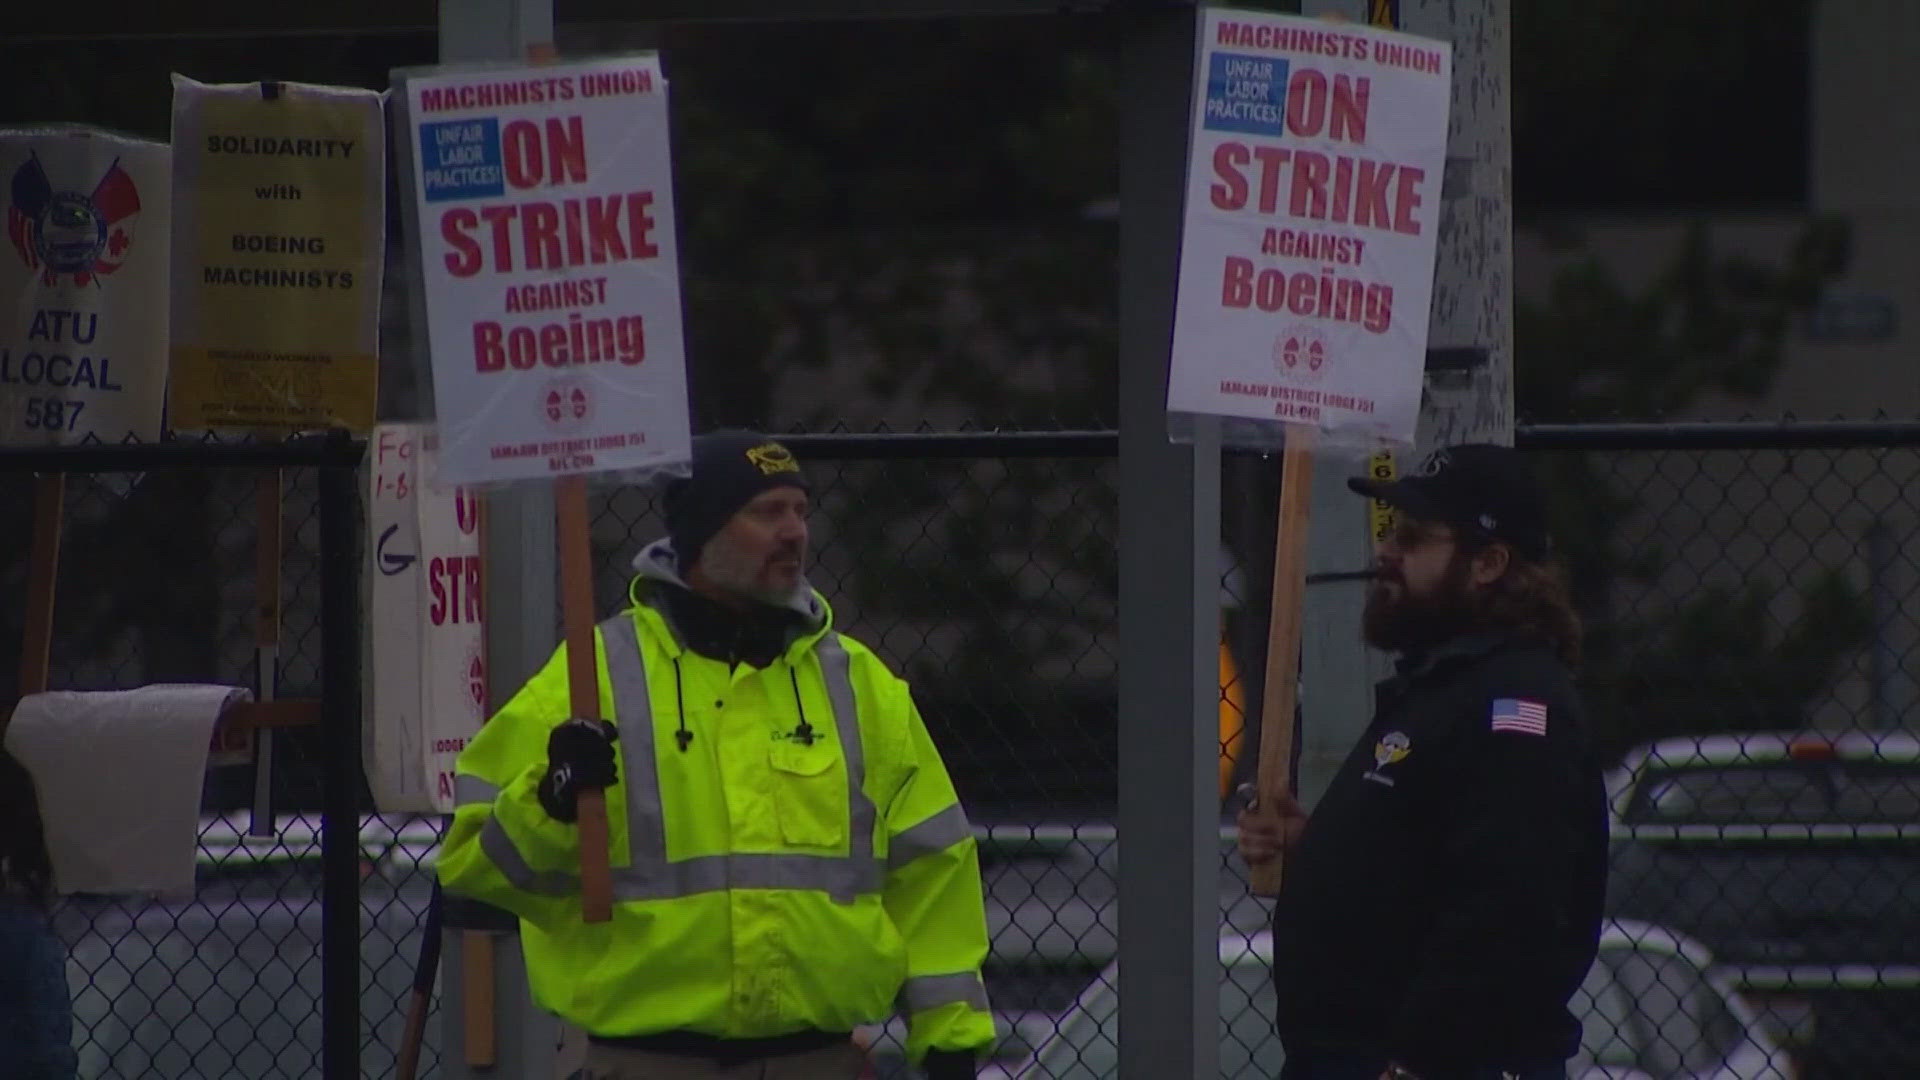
[[1520, 716]]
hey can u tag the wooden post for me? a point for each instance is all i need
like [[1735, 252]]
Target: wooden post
[[425, 971], [477, 989], [1282, 690], [583, 685], [43, 569], [583, 674]]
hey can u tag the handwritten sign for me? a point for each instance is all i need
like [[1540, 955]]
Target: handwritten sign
[[545, 206], [426, 670], [1313, 206]]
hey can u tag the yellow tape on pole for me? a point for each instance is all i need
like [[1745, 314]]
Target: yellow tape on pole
[[1386, 15], [1379, 515]]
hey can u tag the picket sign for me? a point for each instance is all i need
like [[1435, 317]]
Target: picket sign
[[542, 206], [1316, 154]]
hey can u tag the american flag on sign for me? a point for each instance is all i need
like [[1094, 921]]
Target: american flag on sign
[[1520, 715]]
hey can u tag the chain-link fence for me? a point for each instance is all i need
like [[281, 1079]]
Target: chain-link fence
[[158, 581], [1754, 642], [1765, 888]]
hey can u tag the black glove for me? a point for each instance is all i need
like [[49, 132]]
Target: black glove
[[579, 755], [949, 1065]]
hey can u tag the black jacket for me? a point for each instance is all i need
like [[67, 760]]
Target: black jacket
[[1444, 903]]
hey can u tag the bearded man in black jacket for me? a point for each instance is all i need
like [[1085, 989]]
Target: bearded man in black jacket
[[1443, 902]]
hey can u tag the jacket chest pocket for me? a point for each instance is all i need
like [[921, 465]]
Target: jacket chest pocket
[[809, 793]]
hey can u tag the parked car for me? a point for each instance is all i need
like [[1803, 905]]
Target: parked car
[[1796, 859], [1652, 1008], [1052, 898]]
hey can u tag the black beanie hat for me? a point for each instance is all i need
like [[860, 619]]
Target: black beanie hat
[[730, 468]]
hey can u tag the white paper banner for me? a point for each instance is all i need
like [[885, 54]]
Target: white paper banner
[[83, 329], [1312, 218], [120, 774], [546, 232], [426, 662]]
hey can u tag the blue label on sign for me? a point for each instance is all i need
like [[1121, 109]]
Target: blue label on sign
[[460, 159], [1246, 94]]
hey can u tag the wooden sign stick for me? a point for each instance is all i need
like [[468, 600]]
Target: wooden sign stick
[[43, 569], [583, 686], [481, 1049], [1282, 688], [476, 961], [425, 971], [583, 673]]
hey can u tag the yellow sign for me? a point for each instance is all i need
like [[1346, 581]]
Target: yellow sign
[[1379, 515], [279, 243]]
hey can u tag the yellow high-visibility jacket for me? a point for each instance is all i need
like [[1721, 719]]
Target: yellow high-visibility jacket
[[763, 883]]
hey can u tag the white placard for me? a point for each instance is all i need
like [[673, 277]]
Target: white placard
[[546, 231], [391, 730], [279, 248], [453, 635], [426, 664], [83, 284], [1312, 218]]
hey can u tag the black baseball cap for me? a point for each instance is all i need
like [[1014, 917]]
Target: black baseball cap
[[1481, 487]]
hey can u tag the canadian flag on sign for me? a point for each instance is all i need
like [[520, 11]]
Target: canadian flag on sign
[[118, 203]]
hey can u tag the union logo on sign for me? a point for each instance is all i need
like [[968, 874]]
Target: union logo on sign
[[477, 680], [566, 404], [1300, 351], [67, 233]]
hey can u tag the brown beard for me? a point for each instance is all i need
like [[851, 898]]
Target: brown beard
[[1411, 623]]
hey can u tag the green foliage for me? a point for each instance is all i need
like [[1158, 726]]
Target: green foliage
[[922, 250], [922, 254], [1010, 565], [947, 320], [1718, 658], [1721, 661], [1596, 350]]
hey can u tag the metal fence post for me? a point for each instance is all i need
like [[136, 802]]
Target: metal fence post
[[522, 601], [1169, 598], [522, 619], [340, 719], [1470, 400]]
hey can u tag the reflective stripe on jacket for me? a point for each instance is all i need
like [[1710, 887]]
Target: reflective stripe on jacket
[[763, 882]]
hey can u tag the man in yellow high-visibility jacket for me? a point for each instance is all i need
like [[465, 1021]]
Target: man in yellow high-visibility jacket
[[789, 857]]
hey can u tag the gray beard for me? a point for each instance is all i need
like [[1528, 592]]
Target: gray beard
[[734, 572]]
